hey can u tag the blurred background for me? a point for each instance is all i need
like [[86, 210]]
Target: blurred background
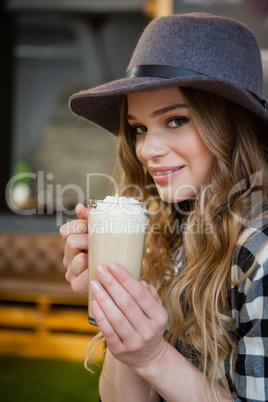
[[50, 160]]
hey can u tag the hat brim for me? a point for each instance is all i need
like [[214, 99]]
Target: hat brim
[[101, 105]]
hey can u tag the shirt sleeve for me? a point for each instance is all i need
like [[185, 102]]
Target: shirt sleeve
[[251, 314]]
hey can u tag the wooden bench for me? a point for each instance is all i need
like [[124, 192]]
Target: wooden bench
[[40, 315]]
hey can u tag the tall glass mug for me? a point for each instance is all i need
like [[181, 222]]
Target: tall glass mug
[[116, 231]]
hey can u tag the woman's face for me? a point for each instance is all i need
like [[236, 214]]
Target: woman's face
[[168, 143]]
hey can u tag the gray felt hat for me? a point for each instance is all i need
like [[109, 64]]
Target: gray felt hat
[[215, 54]]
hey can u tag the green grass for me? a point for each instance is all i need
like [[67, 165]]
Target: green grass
[[36, 380]]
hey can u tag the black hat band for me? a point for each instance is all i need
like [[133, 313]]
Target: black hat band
[[164, 71]]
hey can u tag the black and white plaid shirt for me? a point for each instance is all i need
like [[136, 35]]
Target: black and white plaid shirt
[[249, 304]]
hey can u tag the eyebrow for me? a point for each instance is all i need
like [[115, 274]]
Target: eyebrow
[[161, 111]]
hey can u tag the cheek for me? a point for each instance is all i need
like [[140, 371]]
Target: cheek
[[138, 147], [198, 151], [206, 158]]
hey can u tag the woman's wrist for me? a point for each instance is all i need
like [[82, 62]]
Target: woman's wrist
[[152, 366], [119, 382], [170, 368]]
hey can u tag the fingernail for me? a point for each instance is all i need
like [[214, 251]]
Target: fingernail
[[115, 268], [79, 207], [100, 270], [94, 285]]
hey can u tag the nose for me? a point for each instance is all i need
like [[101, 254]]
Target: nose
[[151, 145]]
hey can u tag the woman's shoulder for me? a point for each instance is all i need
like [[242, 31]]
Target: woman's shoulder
[[252, 250], [255, 234]]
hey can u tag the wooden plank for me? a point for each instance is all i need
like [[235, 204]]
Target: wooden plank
[[52, 319], [37, 297], [46, 345]]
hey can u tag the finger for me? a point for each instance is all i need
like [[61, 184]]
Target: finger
[[80, 283], [81, 211], [151, 289], [111, 320], [78, 226], [78, 265], [123, 300], [154, 293], [111, 337], [148, 303], [145, 284], [75, 244]]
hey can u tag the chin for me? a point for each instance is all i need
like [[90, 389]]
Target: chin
[[177, 193], [175, 198]]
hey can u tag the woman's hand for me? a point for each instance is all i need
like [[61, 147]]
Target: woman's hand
[[76, 250], [130, 315]]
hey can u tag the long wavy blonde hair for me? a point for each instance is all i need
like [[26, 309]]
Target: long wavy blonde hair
[[206, 228]]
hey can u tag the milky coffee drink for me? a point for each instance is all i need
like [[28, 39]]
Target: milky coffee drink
[[116, 229]]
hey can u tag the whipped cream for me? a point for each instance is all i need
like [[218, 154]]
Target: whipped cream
[[116, 215]]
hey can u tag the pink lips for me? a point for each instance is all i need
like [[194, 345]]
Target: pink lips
[[164, 174]]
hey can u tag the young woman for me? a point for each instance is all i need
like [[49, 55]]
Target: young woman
[[192, 134]]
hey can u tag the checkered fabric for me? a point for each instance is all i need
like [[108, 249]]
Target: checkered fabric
[[249, 304]]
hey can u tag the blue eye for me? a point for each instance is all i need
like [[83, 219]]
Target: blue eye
[[177, 122]]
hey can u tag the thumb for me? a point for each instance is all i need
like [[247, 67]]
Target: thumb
[[81, 211]]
